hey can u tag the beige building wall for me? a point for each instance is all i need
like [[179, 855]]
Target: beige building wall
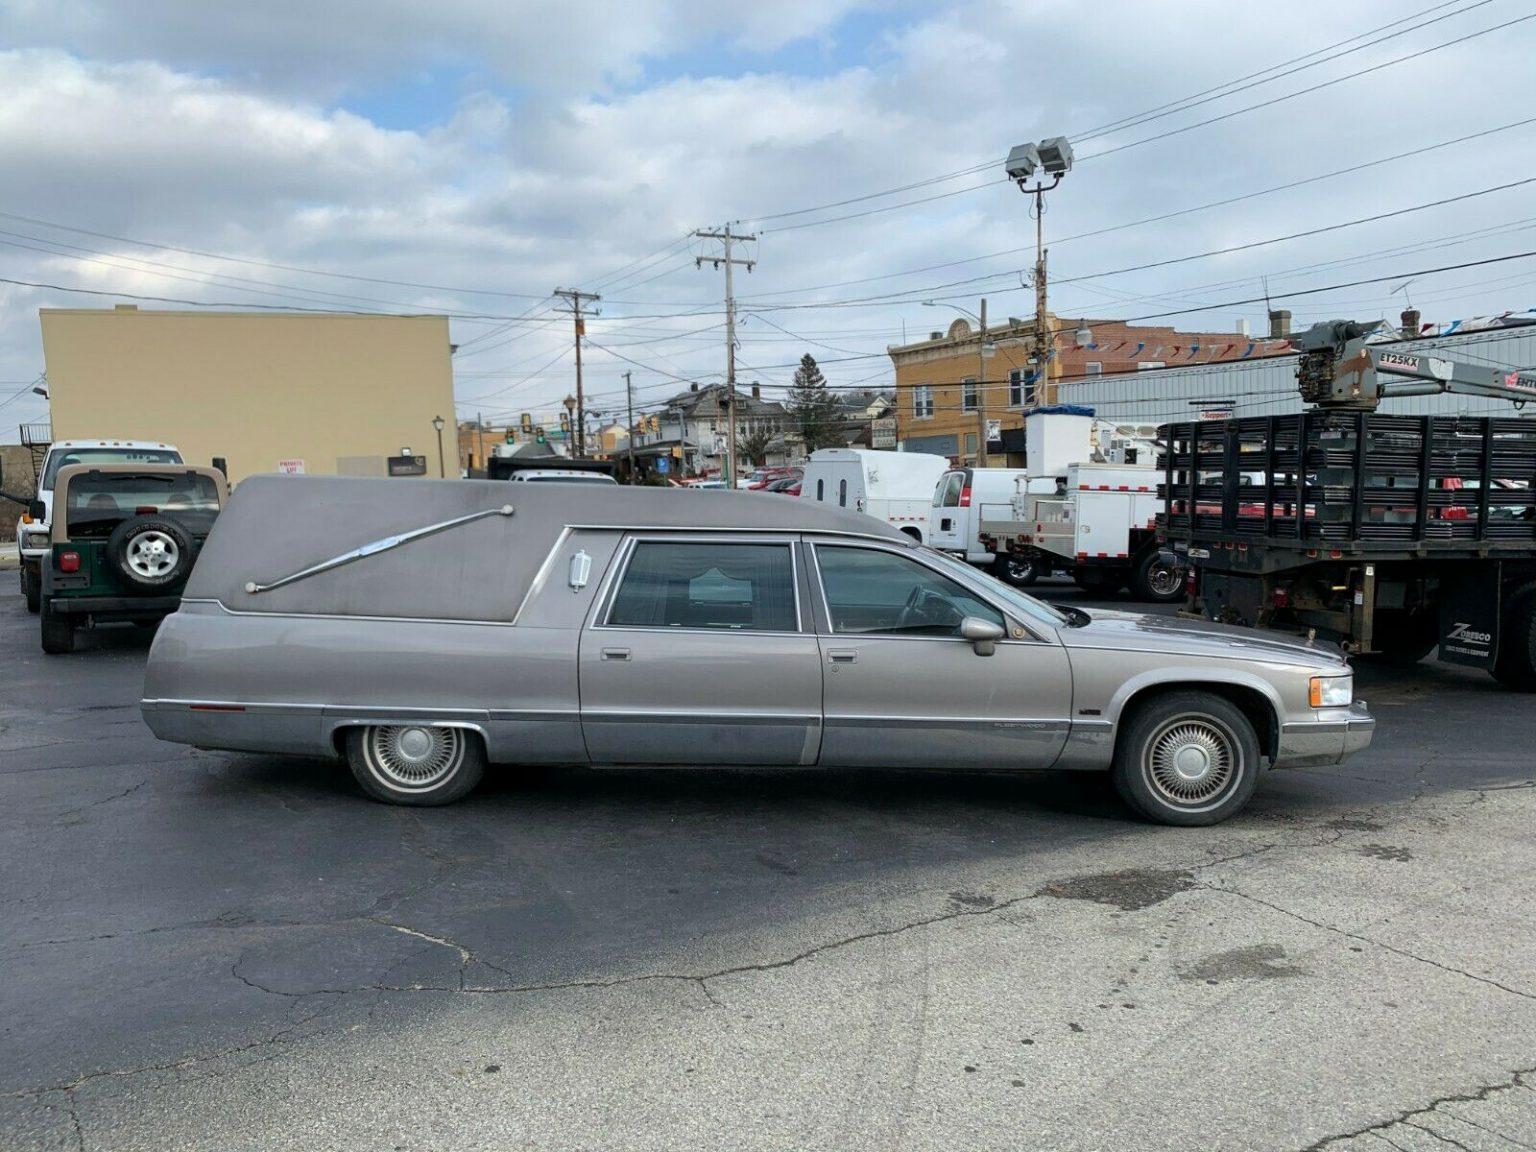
[[335, 391]]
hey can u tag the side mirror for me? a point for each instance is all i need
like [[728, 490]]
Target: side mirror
[[983, 634], [37, 510]]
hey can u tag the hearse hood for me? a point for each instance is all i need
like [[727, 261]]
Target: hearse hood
[[1147, 633]]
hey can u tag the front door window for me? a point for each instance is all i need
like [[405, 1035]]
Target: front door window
[[872, 591]]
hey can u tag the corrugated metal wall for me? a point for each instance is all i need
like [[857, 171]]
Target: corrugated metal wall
[[1268, 387]]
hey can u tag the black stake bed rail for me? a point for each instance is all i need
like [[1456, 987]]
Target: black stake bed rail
[[1356, 481]]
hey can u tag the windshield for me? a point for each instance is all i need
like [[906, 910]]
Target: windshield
[[1028, 605], [99, 501], [70, 456]]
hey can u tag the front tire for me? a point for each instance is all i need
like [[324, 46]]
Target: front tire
[[1188, 759], [32, 589], [1016, 571], [1158, 581], [421, 765], [58, 631]]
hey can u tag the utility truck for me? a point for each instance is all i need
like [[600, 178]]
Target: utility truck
[[893, 487], [1087, 506], [1389, 535]]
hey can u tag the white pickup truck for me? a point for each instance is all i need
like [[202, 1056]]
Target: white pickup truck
[[32, 529]]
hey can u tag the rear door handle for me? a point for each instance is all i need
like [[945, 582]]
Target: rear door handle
[[842, 656], [615, 653]]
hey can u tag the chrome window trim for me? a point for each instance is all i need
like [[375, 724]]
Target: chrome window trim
[[456, 620], [1029, 637], [600, 621]]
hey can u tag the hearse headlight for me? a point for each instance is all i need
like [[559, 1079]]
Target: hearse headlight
[[1331, 691]]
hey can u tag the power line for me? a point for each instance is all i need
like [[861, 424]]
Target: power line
[[1162, 216], [912, 295], [1305, 91]]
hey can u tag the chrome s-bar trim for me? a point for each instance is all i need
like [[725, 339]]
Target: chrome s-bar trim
[[375, 547]]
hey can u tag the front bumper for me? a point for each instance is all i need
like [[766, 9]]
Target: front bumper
[[115, 607], [1335, 734]]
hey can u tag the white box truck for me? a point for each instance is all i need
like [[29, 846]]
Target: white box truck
[[896, 487]]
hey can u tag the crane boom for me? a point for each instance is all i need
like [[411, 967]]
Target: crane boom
[[1339, 370]]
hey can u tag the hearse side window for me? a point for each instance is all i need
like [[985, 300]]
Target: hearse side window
[[736, 587], [881, 592]]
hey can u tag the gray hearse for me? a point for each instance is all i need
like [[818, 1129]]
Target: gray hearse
[[424, 630]]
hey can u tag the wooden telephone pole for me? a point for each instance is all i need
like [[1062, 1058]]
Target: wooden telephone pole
[[576, 301], [727, 237]]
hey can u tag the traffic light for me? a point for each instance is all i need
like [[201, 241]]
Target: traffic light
[[538, 433], [510, 437]]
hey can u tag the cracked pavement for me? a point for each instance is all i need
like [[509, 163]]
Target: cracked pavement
[[234, 952]]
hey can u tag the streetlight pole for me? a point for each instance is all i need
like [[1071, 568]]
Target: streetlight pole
[[437, 424], [1054, 156]]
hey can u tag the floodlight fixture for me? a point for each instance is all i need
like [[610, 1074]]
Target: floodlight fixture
[[1023, 159], [1056, 155]]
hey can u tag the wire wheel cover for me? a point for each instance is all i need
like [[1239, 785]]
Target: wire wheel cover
[[1191, 762], [152, 554], [414, 757]]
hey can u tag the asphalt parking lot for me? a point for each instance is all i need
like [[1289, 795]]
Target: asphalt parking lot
[[217, 951]]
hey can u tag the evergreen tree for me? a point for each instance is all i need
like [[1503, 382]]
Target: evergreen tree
[[813, 408]]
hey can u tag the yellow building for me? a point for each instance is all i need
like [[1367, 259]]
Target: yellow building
[[267, 391]]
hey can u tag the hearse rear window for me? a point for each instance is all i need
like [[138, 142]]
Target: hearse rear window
[[100, 501], [744, 587]]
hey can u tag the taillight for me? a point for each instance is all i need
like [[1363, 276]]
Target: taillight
[[69, 561], [145, 510], [1191, 581], [965, 497], [1280, 598]]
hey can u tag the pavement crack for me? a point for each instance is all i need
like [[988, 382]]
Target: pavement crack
[[1488, 980], [74, 1119], [129, 791], [1407, 1117]]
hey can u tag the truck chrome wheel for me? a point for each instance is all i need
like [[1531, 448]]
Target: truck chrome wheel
[[152, 554], [414, 757], [1165, 580], [1191, 762]]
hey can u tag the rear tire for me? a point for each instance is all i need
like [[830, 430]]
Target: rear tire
[[1016, 571], [1515, 667], [58, 631], [1188, 759], [1157, 581], [421, 765], [31, 588]]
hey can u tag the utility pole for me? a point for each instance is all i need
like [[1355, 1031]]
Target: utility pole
[[629, 438], [1042, 322], [727, 237], [575, 301]]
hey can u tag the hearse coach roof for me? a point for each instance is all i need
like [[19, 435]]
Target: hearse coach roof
[[276, 526]]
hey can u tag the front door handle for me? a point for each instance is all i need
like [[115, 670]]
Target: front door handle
[[842, 656], [615, 653]]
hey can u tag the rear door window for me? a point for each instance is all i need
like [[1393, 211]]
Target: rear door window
[[726, 586]]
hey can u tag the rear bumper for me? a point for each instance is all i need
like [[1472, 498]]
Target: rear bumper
[[1337, 733], [119, 607]]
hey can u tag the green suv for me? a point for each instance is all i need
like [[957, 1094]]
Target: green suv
[[124, 539]]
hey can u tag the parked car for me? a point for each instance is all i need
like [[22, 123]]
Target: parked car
[[764, 477], [963, 498], [124, 540], [893, 487], [32, 528], [631, 627], [785, 486]]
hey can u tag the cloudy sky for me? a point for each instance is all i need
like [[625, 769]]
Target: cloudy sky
[[468, 156]]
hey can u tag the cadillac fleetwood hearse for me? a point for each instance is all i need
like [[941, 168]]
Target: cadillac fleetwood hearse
[[425, 630]]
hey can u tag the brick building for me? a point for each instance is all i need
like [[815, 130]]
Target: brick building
[[938, 396]]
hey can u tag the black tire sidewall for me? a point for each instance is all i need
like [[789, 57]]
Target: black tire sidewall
[[1001, 569], [125, 533], [1142, 582], [32, 589], [1147, 719], [1515, 667], [458, 785]]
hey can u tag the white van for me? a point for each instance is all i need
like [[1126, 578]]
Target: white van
[[967, 496], [896, 487]]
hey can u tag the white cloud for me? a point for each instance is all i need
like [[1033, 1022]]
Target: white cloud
[[217, 129]]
